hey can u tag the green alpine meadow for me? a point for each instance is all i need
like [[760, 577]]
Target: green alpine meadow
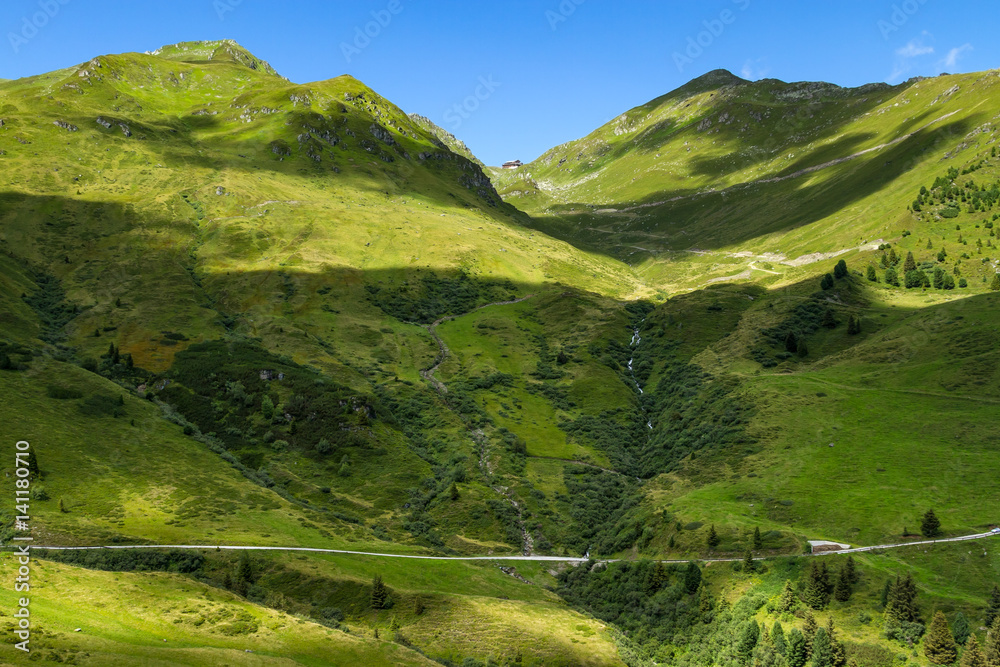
[[289, 376]]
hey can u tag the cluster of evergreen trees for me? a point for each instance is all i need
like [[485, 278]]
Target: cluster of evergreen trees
[[820, 586]]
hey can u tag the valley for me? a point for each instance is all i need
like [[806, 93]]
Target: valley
[[307, 383]]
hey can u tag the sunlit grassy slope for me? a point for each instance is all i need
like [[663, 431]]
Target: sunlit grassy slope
[[268, 261]]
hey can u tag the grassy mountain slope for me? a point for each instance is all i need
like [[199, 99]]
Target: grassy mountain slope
[[243, 310]]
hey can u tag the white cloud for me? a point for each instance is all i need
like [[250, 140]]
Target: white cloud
[[954, 56], [905, 55], [915, 48], [755, 69]]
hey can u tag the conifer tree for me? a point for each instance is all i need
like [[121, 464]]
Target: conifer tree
[[454, 495], [909, 264], [796, 654], [993, 606], [893, 257], [939, 644], [891, 277], [931, 525], [872, 276], [960, 629], [826, 282], [842, 589], [995, 284], [838, 655], [803, 349], [992, 649], [748, 640], [822, 655], [778, 639], [852, 571], [705, 602], [840, 271], [809, 631], [748, 564], [973, 656], [692, 578], [791, 342], [787, 600], [758, 541], [814, 594], [829, 319], [379, 594], [713, 540]]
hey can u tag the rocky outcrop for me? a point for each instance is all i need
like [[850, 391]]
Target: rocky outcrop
[[66, 126]]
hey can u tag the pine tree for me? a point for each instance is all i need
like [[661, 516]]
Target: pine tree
[[748, 564], [713, 540], [995, 284], [453, 492], [267, 408], [33, 470], [992, 650], [993, 606], [838, 655], [909, 264], [778, 639], [961, 629], [822, 655], [803, 349], [814, 594], [380, 593], [884, 597], [842, 589], [891, 277], [791, 343], [692, 578], [872, 276], [973, 656], [758, 541], [787, 600], [938, 279], [62, 506], [853, 325], [893, 257], [809, 631], [826, 282], [829, 319], [796, 655], [901, 604], [705, 602], [748, 640], [939, 644], [840, 271], [852, 571], [931, 525]]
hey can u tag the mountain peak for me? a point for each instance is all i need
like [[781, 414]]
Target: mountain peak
[[714, 79], [219, 50]]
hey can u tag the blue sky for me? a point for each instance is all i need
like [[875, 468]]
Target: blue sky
[[514, 78]]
